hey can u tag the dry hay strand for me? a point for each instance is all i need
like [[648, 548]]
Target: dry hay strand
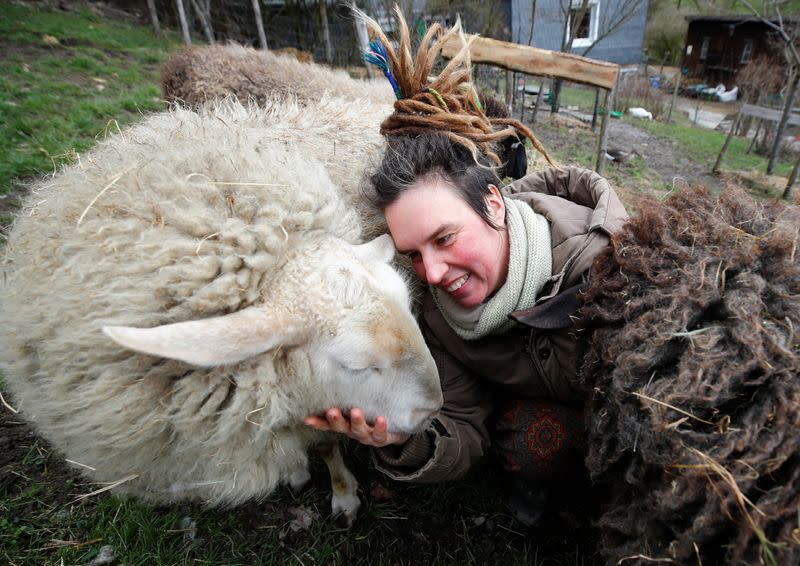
[[299, 54], [694, 366], [756, 182]]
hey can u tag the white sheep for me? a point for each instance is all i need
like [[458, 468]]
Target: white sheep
[[200, 74], [333, 116], [216, 244]]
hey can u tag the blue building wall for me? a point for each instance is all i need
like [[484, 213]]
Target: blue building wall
[[624, 46]]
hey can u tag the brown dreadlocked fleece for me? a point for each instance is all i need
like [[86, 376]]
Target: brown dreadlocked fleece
[[694, 428]]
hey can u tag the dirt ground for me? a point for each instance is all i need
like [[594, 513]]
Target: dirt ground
[[661, 155], [667, 164], [39, 492]]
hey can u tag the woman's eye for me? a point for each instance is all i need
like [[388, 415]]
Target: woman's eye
[[444, 239]]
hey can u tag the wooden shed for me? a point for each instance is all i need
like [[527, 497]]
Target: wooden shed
[[718, 46]]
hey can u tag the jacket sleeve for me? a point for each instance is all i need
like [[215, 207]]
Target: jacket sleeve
[[575, 184], [454, 439]]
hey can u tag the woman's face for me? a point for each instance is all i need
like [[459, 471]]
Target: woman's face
[[450, 245]]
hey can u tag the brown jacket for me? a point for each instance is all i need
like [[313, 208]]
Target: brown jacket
[[536, 358]]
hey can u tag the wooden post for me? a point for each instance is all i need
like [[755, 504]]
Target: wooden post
[[594, 112], [601, 141], [788, 193], [537, 103], [513, 92], [674, 95], [262, 37], [755, 136], [509, 87], [717, 164], [555, 96], [187, 38], [151, 7], [787, 110]]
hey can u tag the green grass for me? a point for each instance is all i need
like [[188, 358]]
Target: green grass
[[57, 98], [703, 145], [582, 97]]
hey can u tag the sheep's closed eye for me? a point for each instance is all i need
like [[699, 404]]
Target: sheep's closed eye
[[367, 370], [362, 370]]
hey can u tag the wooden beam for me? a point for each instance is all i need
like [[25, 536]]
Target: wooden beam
[[768, 114], [538, 62]]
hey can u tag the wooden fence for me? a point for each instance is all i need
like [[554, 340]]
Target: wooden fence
[[552, 64], [764, 114]]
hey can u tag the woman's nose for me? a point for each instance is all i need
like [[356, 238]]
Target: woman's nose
[[435, 269]]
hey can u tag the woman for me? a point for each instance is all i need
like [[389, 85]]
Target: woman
[[503, 270]]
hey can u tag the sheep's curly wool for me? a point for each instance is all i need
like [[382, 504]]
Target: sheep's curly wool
[[181, 217], [694, 433], [201, 74]]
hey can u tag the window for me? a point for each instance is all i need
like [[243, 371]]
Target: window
[[584, 25], [704, 48], [587, 27], [747, 51]]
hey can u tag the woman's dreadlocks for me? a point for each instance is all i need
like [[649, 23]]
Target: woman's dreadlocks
[[446, 104]]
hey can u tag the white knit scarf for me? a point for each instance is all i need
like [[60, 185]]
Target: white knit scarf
[[529, 267]]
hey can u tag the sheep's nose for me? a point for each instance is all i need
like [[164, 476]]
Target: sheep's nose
[[421, 415]]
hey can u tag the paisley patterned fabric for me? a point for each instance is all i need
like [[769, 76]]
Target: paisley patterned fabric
[[539, 439]]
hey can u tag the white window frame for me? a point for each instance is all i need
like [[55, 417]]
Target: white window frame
[[747, 51], [594, 23], [704, 48]]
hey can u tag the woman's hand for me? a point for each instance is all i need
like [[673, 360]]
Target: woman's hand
[[357, 428]]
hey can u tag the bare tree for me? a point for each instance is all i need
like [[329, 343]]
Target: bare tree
[[187, 38], [262, 37], [151, 7], [487, 19], [533, 19], [788, 34], [385, 12], [203, 9], [759, 79], [326, 32]]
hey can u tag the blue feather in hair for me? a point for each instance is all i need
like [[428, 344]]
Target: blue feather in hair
[[376, 54]]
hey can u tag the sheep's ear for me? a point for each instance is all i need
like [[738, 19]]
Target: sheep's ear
[[379, 249], [212, 341]]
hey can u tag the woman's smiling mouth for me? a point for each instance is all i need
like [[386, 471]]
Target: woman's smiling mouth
[[457, 284]]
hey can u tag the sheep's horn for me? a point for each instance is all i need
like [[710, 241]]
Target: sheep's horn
[[212, 341]]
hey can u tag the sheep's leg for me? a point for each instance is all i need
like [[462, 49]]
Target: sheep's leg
[[299, 478], [344, 500]]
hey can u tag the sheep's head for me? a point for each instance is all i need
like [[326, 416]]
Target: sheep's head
[[374, 342], [347, 308]]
